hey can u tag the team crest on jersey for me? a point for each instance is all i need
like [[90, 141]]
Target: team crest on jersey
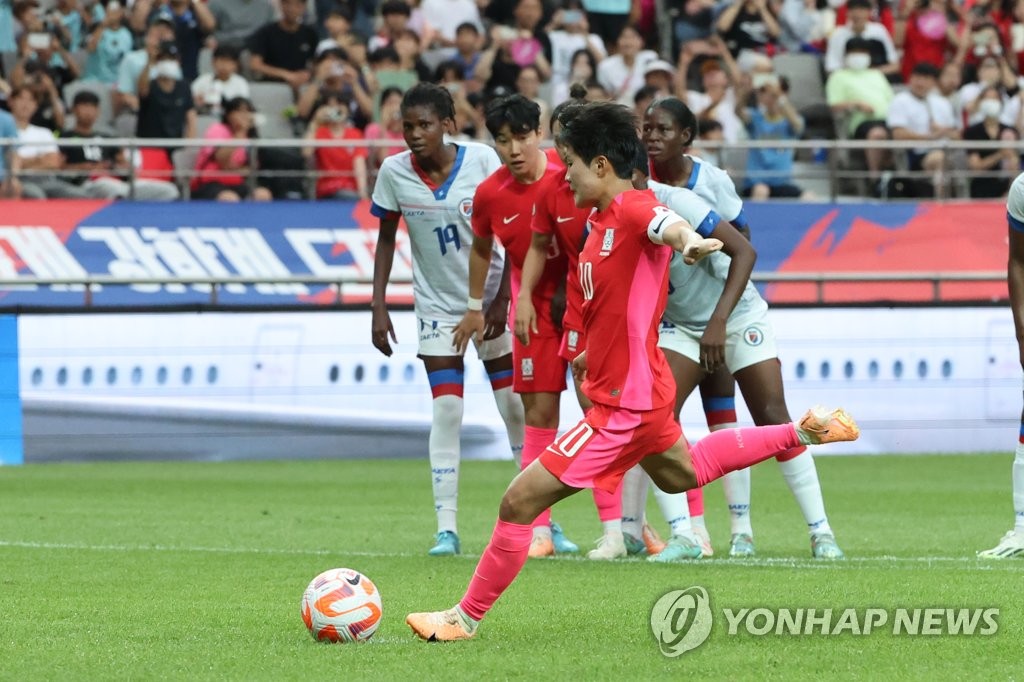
[[609, 241], [573, 340], [753, 336], [466, 208], [526, 368]]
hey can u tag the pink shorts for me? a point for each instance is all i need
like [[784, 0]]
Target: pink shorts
[[538, 368], [573, 343], [607, 443]]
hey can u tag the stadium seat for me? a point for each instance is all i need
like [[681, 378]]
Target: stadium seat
[[205, 60], [184, 161], [7, 62], [203, 123], [101, 90], [803, 71], [275, 102]]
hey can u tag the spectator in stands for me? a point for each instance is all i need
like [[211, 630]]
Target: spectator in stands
[[859, 97], [192, 21], [7, 42], [448, 16], [282, 50], [407, 45], [101, 170], [43, 52], [387, 127], [467, 53], [981, 39], [211, 90], [50, 110], [930, 35], [10, 162], [749, 25], [660, 75], [515, 47], [859, 24], [166, 109], [770, 171], [342, 171], [920, 113], [338, 26], [622, 74], [450, 75], [993, 71], [569, 33], [710, 130], [583, 72], [607, 18], [38, 153], [394, 16], [74, 20], [694, 22], [528, 85], [805, 27], [126, 92], [221, 171], [595, 92], [386, 74], [950, 80], [981, 162], [717, 101], [333, 74], [236, 20], [643, 99], [108, 43]]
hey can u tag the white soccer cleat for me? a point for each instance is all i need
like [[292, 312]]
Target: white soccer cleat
[[609, 547], [704, 538], [1012, 545]]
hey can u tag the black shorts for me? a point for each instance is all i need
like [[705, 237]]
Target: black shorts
[[861, 132], [783, 191]]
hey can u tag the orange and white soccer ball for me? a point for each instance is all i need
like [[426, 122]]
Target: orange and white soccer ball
[[341, 605]]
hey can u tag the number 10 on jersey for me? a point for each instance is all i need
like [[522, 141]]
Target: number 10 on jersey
[[449, 234], [587, 279]]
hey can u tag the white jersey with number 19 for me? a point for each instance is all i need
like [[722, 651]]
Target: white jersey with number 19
[[440, 233]]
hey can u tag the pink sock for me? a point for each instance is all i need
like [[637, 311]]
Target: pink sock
[[695, 500], [731, 449], [535, 440], [792, 453], [609, 505], [498, 567]]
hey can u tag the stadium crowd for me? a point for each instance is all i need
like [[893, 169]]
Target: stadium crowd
[[920, 70]]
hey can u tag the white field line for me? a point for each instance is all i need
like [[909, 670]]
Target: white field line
[[962, 562]]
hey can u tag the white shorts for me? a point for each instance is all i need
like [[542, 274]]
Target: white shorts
[[752, 344], [437, 337]]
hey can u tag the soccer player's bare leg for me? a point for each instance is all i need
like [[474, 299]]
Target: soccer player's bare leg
[[764, 393]]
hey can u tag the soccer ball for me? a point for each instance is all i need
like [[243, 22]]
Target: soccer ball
[[341, 605]]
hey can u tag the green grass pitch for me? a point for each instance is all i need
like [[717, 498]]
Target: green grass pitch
[[195, 571]]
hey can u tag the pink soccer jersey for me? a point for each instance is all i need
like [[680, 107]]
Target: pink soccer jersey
[[624, 276]]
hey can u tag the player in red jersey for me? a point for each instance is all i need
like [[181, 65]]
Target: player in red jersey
[[624, 274], [503, 207]]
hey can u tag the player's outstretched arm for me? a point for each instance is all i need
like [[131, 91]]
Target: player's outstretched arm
[[680, 236], [533, 266], [382, 329], [473, 323]]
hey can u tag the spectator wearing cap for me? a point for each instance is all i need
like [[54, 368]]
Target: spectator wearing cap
[[333, 74], [108, 43], [221, 170], [192, 21], [394, 16], [211, 90], [126, 92], [448, 16], [236, 20], [569, 32], [39, 155], [622, 74], [920, 113], [166, 109], [342, 171], [749, 25], [101, 170], [282, 50], [660, 75], [513, 47], [859, 24]]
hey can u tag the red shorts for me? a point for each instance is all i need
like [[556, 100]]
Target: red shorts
[[610, 441], [538, 368], [573, 343]]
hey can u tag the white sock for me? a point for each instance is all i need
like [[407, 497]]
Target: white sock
[[444, 459], [676, 511], [634, 499], [510, 407], [802, 477], [697, 523], [1018, 488], [736, 485], [613, 527]]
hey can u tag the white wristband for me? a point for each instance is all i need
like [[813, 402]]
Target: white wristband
[[474, 303]]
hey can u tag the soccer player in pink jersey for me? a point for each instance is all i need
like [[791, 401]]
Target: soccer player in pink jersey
[[503, 208], [623, 271]]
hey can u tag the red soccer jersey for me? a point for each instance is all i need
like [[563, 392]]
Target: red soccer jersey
[[624, 276], [503, 208], [558, 215]]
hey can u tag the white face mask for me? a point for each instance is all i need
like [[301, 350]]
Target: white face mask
[[858, 61], [168, 68], [990, 108]]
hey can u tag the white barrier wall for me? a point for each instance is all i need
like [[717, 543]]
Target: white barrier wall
[[239, 385]]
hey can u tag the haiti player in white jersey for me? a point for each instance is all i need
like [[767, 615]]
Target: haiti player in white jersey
[[623, 271], [668, 129], [432, 187], [1012, 544]]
